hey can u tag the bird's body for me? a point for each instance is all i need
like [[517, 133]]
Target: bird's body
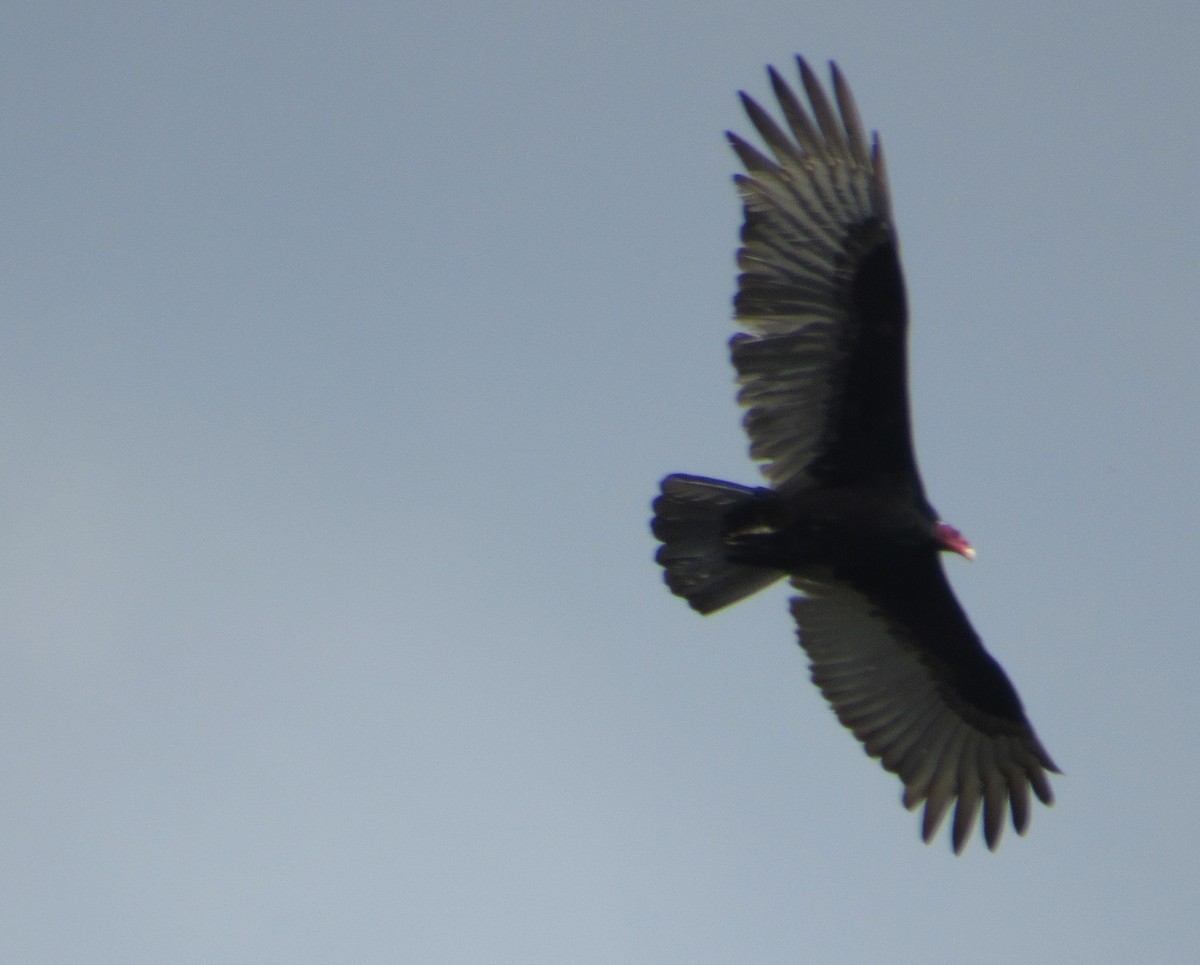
[[823, 374]]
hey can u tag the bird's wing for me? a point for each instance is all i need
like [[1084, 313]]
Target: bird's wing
[[823, 365], [895, 656]]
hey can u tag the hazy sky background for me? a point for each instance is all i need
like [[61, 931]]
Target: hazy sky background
[[343, 346]]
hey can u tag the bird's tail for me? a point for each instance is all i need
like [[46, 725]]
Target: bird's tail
[[694, 518]]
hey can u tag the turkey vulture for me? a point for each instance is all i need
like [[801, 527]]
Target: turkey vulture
[[822, 368]]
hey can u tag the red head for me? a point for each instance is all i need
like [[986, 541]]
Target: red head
[[952, 540]]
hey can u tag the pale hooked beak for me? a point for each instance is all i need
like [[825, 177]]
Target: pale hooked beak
[[953, 541]]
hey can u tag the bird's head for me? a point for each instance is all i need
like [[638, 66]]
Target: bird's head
[[951, 540]]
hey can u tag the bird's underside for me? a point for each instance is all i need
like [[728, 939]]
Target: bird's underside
[[822, 367]]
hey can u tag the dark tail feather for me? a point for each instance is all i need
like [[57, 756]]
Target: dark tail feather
[[690, 517]]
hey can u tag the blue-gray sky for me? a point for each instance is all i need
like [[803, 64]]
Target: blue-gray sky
[[343, 347]]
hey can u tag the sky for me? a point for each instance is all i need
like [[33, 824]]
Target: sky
[[342, 347]]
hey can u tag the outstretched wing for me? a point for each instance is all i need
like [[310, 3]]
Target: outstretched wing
[[823, 367], [895, 656]]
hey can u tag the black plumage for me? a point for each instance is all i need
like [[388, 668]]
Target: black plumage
[[822, 366]]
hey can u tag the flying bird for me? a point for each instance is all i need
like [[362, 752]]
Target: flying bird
[[822, 368]]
